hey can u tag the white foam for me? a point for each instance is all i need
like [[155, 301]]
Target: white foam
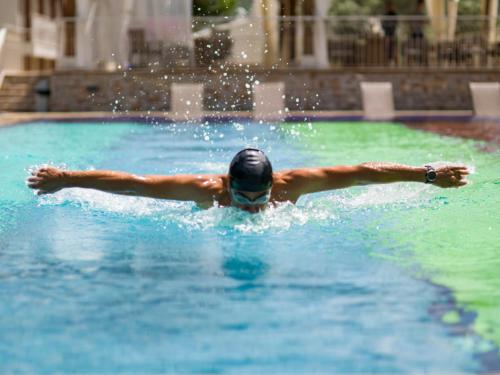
[[120, 204], [318, 209], [281, 217]]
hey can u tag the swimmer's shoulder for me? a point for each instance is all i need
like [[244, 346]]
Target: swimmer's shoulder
[[283, 187], [214, 188], [286, 178]]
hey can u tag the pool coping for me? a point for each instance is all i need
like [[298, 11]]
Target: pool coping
[[461, 124], [7, 118]]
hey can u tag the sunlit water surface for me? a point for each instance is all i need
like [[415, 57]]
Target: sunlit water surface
[[99, 283]]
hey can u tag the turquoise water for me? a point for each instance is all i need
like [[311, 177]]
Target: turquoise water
[[97, 283]]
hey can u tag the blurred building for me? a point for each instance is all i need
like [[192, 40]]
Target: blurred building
[[87, 34], [280, 33], [29, 34], [303, 39], [110, 33]]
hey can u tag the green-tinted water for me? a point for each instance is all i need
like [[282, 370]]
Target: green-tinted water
[[107, 283], [454, 236]]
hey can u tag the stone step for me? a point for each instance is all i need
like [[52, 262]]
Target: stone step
[[17, 108], [17, 98], [22, 79], [12, 101], [19, 84], [17, 91]]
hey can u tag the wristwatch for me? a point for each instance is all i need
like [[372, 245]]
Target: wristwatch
[[430, 174]]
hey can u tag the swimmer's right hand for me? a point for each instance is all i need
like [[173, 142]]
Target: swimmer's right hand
[[47, 180]]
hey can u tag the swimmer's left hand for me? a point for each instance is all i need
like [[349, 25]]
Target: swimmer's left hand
[[451, 176]]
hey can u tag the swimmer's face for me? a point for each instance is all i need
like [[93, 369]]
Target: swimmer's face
[[250, 201]]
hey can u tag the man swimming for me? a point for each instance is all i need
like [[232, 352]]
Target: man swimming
[[250, 183]]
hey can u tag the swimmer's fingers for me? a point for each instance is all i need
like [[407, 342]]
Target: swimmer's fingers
[[45, 171], [460, 170], [459, 181], [33, 185], [461, 175], [33, 179], [42, 172], [33, 182]]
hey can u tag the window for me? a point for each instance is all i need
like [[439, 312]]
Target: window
[[69, 11], [53, 9], [41, 6], [308, 11], [26, 12]]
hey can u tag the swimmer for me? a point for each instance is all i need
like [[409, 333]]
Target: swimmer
[[250, 183]]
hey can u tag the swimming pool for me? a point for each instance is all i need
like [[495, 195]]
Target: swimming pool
[[394, 278]]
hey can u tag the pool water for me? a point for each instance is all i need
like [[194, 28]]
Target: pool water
[[388, 279]]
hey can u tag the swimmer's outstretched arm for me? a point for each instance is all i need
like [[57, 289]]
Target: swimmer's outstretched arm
[[310, 180], [179, 187]]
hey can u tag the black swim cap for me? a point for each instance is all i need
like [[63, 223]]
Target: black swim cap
[[251, 170]]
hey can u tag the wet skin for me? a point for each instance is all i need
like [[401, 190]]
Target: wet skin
[[209, 190]]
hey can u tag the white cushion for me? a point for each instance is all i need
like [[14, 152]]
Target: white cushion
[[378, 101], [269, 101], [186, 101], [486, 98]]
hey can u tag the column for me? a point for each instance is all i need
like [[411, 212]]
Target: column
[[492, 21], [320, 38], [452, 19]]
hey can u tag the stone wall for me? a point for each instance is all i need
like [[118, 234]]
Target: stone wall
[[231, 90]]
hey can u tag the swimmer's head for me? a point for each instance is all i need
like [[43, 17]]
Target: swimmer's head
[[250, 179]]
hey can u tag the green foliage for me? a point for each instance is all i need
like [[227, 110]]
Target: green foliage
[[347, 8], [404, 7], [213, 8], [369, 7], [469, 7]]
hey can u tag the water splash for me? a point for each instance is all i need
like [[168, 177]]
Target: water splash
[[322, 209]]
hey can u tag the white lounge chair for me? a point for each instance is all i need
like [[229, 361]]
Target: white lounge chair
[[269, 101], [486, 98], [186, 101], [378, 100]]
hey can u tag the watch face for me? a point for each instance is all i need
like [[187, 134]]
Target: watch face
[[431, 176]]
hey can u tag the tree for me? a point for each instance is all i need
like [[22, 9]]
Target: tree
[[405, 7], [368, 7], [214, 8]]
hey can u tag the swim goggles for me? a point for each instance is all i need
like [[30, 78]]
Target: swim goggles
[[241, 199]]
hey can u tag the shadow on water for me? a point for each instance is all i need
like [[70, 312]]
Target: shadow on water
[[243, 259], [461, 324], [249, 269]]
